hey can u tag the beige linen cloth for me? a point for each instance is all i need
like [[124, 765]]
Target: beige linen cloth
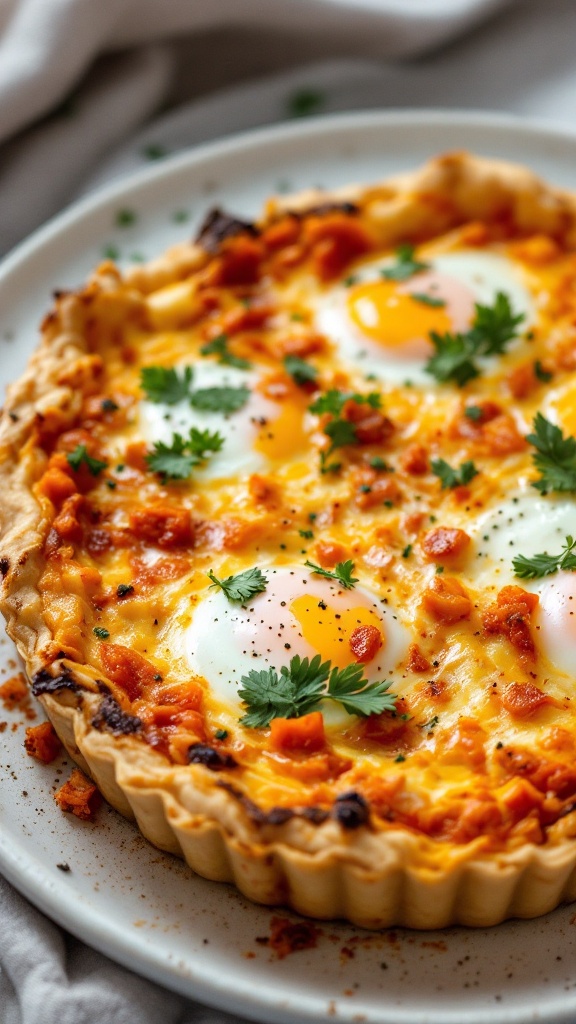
[[81, 85]]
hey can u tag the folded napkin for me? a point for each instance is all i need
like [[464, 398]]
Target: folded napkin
[[68, 124]]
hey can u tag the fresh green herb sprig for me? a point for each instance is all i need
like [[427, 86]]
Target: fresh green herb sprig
[[492, 328], [175, 461], [342, 573], [300, 687], [555, 457], [220, 399], [163, 384], [219, 347], [405, 266], [428, 300], [340, 431], [243, 586], [450, 477], [80, 456], [545, 564], [300, 371]]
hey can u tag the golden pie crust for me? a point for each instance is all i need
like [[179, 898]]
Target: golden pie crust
[[337, 845]]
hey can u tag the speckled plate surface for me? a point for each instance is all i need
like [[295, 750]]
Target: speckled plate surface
[[143, 908]]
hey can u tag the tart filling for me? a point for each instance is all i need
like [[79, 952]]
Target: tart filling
[[287, 545]]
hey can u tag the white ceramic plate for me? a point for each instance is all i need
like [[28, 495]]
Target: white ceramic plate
[[144, 908]]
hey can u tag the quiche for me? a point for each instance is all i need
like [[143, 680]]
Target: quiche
[[288, 545]]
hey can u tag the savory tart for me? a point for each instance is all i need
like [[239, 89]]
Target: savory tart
[[288, 548]]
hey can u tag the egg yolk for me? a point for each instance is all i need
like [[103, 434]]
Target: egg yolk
[[329, 630], [283, 437], [391, 316]]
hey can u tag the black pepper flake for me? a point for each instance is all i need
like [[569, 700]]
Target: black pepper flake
[[215, 760], [64, 867], [351, 810]]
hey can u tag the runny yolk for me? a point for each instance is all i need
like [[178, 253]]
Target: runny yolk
[[388, 314], [284, 436], [328, 629]]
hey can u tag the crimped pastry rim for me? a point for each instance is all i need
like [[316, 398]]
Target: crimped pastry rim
[[530, 880]]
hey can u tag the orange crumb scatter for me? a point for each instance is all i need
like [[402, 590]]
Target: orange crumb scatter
[[329, 553], [166, 527], [292, 936], [78, 796], [510, 616], [417, 662], [446, 599], [298, 734], [14, 691], [522, 699], [42, 742], [445, 542], [365, 642], [128, 669]]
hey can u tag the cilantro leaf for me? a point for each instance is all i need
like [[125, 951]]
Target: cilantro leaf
[[405, 266], [80, 455], [220, 399], [453, 359], [300, 687], [163, 384], [555, 457], [450, 477], [428, 300], [492, 328], [219, 347], [176, 460], [356, 695], [243, 586], [340, 431], [342, 573], [289, 694], [545, 564], [300, 371]]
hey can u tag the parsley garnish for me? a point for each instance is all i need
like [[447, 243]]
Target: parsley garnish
[[123, 589], [453, 477], [492, 328], [221, 734], [340, 431], [163, 384], [342, 573], [540, 373], [306, 534], [80, 455], [545, 564], [427, 300], [177, 460], [300, 371], [243, 586], [298, 689], [555, 456], [224, 399], [473, 412], [101, 633], [405, 266], [125, 218], [219, 347]]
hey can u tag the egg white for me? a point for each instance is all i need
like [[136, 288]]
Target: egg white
[[159, 422], [484, 274], [227, 640]]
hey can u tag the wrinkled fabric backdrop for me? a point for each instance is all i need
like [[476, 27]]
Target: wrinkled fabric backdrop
[[92, 89]]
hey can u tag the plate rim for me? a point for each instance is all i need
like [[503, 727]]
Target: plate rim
[[36, 885]]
